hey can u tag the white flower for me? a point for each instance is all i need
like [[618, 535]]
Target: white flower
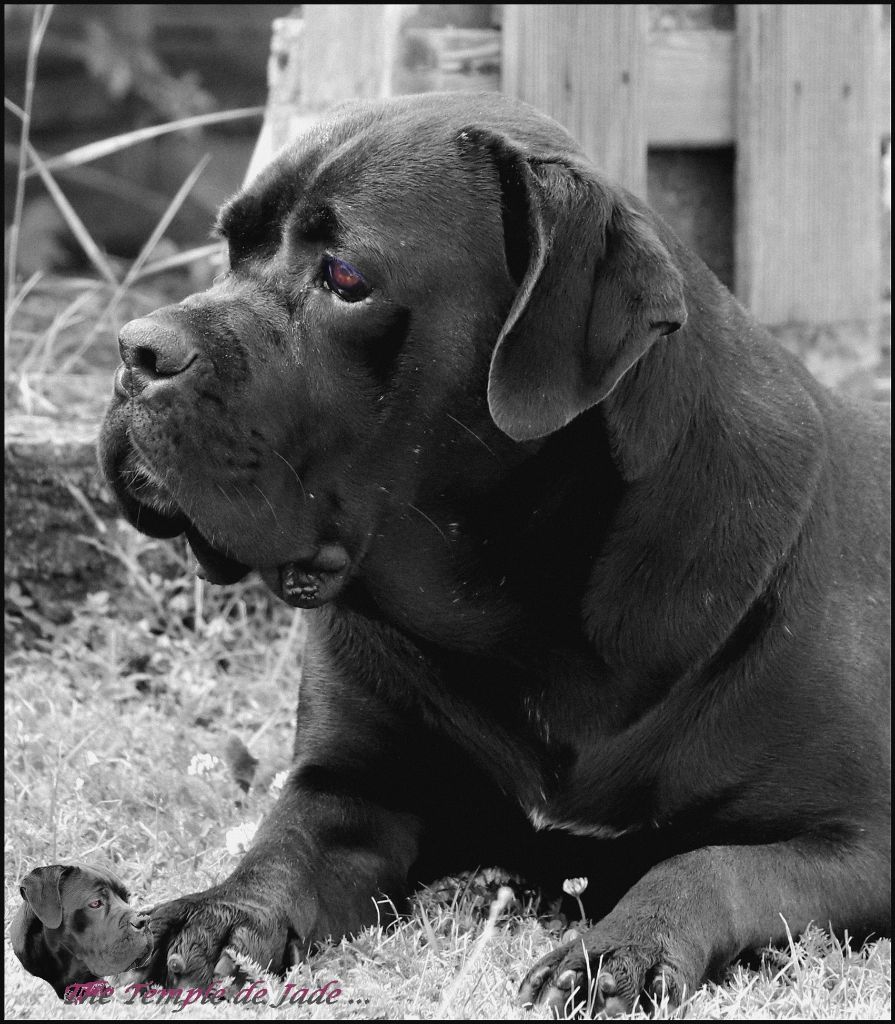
[[202, 764], [91, 759], [79, 784], [98, 602], [238, 840], [277, 783], [574, 886], [216, 627]]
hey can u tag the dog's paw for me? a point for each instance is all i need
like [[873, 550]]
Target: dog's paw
[[596, 974], [192, 936]]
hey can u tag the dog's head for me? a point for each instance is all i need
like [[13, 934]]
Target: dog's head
[[75, 920], [419, 292]]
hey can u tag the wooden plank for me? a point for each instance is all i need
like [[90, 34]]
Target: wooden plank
[[690, 74], [691, 85], [585, 65], [284, 118], [808, 163], [448, 60], [333, 53], [884, 86], [348, 51], [693, 82]]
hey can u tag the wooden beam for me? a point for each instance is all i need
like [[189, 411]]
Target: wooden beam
[[348, 51], [690, 73], [691, 87], [884, 84], [585, 65], [808, 162], [332, 53]]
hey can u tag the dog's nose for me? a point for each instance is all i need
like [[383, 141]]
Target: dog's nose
[[152, 350], [140, 922]]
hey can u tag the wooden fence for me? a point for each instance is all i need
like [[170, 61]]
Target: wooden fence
[[800, 91]]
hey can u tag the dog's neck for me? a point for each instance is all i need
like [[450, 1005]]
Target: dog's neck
[[722, 378], [729, 398], [483, 576]]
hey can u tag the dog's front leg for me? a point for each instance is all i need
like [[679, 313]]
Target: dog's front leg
[[317, 866], [694, 913]]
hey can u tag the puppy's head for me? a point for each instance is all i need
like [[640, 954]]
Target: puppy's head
[[419, 292], [75, 922]]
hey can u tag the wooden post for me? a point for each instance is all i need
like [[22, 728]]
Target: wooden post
[[334, 52], [585, 65], [808, 162], [348, 52]]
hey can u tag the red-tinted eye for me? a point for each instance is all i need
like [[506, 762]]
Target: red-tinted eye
[[346, 281], [95, 904]]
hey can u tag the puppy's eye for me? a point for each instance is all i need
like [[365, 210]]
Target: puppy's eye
[[343, 279], [95, 904]]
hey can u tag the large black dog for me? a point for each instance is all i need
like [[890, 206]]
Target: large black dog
[[599, 574]]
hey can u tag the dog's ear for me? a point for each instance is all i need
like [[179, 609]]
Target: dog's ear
[[596, 288], [42, 890]]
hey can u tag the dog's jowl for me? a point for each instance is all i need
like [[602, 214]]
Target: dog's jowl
[[597, 574]]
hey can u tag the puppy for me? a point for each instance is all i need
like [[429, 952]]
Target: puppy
[[76, 926]]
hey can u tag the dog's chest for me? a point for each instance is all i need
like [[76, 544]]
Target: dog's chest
[[599, 779]]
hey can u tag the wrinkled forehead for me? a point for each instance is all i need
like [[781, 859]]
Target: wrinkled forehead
[[395, 181], [84, 884], [396, 166], [400, 174]]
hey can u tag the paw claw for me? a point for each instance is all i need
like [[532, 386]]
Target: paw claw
[[567, 980], [662, 987], [225, 967], [606, 985], [296, 953], [531, 988]]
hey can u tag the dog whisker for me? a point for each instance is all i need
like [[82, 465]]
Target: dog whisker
[[469, 430], [293, 470], [431, 522]]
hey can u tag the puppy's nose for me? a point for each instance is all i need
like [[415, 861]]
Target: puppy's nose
[[140, 922], [152, 350]]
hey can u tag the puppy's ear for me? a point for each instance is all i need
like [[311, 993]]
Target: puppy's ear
[[42, 889], [596, 288]]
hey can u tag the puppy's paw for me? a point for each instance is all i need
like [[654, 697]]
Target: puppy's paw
[[597, 974]]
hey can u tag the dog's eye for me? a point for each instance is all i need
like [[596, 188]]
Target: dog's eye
[[343, 279], [95, 904]]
